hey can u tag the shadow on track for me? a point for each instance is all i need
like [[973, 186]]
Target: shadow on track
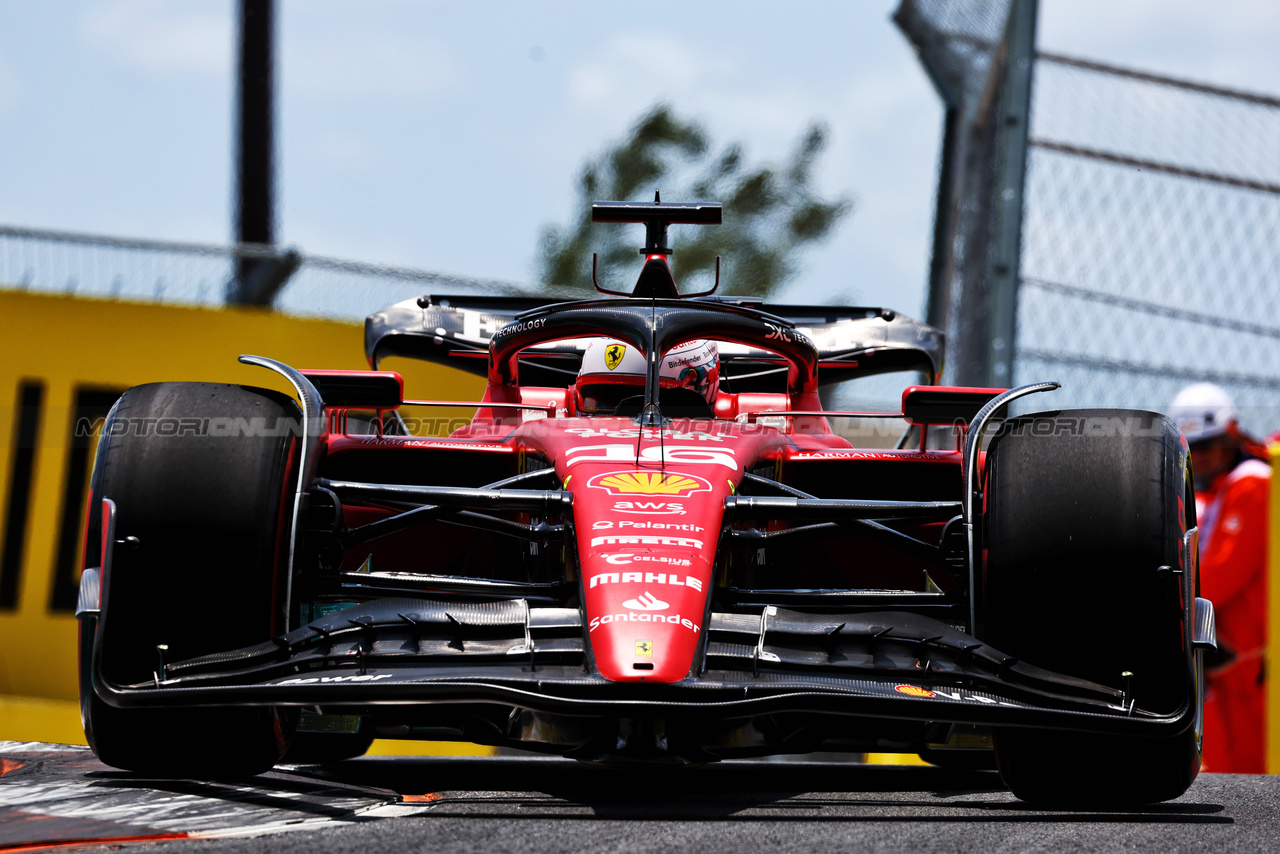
[[542, 788]]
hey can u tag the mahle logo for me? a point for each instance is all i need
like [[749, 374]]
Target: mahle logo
[[649, 483]]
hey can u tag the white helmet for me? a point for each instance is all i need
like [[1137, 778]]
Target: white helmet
[[612, 370], [1203, 411]]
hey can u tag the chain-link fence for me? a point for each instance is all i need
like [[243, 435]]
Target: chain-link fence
[[1147, 222], [1137, 251], [1151, 240], [204, 274]]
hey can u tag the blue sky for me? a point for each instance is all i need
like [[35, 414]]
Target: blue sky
[[445, 135]]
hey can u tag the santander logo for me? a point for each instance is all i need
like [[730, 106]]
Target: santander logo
[[646, 601]]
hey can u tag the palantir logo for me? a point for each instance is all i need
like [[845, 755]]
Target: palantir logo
[[646, 601]]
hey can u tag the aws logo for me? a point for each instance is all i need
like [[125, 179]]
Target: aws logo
[[670, 508], [649, 483]]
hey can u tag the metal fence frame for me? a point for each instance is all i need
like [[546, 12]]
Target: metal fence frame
[[979, 56], [1147, 307], [204, 274], [982, 58]]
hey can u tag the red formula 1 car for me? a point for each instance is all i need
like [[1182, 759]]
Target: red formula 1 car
[[647, 546]]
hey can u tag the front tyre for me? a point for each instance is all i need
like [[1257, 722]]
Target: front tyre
[[1083, 509], [199, 473]]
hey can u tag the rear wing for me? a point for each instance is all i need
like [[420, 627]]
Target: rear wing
[[456, 330]]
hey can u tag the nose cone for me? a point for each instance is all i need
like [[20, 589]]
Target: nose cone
[[644, 625], [646, 545]]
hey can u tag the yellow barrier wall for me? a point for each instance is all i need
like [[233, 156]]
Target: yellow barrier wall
[[67, 351]]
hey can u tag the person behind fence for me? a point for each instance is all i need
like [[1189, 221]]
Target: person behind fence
[[1232, 483]]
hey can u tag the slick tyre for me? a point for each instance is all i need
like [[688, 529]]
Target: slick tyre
[[1083, 508], [199, 474]]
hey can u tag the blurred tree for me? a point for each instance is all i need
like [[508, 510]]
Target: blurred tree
[[770, 212]]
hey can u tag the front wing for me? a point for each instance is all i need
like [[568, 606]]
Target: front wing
[[879, 664]]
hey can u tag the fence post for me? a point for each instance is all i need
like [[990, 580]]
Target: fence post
[[255, 149], [942, 266], [1014, 116], [259, 281]]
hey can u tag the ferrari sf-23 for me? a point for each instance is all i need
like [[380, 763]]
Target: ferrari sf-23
[[647, 546]]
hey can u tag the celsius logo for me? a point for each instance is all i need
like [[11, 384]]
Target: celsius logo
[[649, 483], [646, 601], [627, 559]]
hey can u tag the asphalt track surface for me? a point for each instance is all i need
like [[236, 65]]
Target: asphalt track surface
[[498, 804]]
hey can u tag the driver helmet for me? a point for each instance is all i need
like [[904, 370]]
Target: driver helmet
[[613, 371], [1203, 411]]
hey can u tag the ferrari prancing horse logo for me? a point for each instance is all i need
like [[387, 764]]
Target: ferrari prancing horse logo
[[613, 355], [644, 648]]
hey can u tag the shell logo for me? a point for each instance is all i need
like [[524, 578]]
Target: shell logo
[[913, 690], [649, 483]]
